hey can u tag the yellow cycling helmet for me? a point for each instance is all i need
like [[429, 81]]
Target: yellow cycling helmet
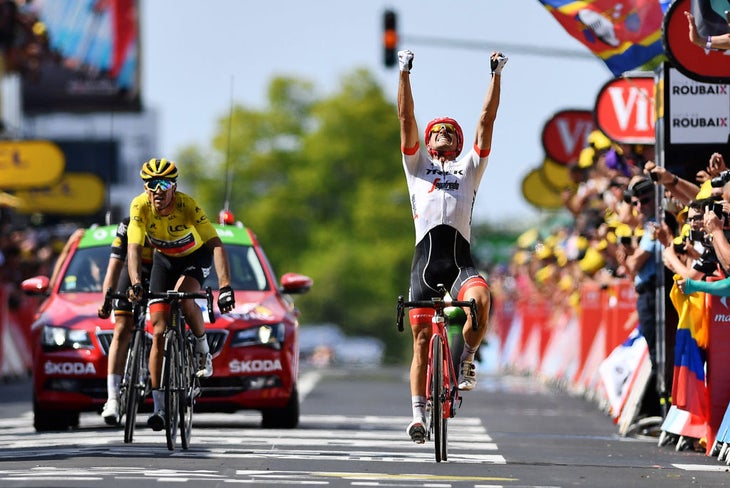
[[158, 168]]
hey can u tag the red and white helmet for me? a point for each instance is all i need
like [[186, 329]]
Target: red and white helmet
[[445, 120]]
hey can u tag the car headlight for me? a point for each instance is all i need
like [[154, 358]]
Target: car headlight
[[62, 338], [271, 335]]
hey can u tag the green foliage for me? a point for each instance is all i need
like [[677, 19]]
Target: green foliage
[[320, 182]]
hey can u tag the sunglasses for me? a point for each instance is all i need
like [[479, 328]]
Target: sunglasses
[[449, 128], [696, 218], [159, 184], [643, 201]]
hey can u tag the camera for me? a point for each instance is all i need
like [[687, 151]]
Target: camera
[[696, 236], [626, 240], [654, 175], [720, 180], [679, 247]]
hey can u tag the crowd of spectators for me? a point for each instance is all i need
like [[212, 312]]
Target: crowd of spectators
[[621, 205], [27, 251]]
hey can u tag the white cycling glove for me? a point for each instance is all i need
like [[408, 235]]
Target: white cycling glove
[[498, 63], [405, 60]]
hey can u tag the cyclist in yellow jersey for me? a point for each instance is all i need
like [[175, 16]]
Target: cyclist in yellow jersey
[[185, 243]]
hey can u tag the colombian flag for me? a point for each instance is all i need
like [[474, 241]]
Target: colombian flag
[[689, 391], [625, 35]]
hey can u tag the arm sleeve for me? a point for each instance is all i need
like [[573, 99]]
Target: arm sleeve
[[720, 288]]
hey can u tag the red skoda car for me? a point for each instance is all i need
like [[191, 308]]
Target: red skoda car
[[255, 347]]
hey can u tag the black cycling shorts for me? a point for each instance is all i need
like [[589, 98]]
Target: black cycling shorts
[[166, 270], [122, 304], [443, 256]]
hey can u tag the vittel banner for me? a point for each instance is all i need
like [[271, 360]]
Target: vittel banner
[[699, 113], [625, 111]]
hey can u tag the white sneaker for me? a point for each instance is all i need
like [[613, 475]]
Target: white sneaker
[[205, 365], [467, 376], [416, 430], [110, 413]]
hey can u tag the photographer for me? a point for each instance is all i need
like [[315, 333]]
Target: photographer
[[690, 255], [641, 264], [715, 223]]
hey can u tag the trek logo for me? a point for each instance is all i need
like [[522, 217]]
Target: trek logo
[[436, 171], [446, 185], [700, 122], [51, 368], [255, 366]]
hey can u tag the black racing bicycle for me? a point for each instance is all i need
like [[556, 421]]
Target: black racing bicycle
[[135, 383], [179, 382]]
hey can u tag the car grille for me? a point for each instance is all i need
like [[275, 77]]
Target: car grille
[[105, 339], [216, 340]]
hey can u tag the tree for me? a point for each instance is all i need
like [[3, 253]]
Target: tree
[[320, 182]]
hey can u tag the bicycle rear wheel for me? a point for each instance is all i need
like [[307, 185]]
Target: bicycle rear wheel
[[437, 397], [188, 391], [171, 384], [135, 387]]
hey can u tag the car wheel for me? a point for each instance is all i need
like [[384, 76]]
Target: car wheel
[[286, 417], [45, 420]]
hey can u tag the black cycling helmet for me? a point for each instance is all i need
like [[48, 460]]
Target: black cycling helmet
[[158, 168]]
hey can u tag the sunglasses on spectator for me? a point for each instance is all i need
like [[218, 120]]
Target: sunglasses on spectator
[[643, 201], [159, 184], [449, 128], [695, 218]]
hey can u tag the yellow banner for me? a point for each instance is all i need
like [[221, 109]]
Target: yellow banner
[[30, 164], [75, 194]]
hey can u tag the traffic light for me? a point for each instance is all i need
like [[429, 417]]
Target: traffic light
[[390, 39]]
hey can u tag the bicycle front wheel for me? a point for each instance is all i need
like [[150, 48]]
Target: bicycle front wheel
[[189, 388], [437, 396], [135, 388], [171, 384]]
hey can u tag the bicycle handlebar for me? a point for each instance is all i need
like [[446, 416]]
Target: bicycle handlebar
[[184, 295], [438, 304]]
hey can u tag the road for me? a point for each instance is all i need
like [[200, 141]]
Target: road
[[510, 432]]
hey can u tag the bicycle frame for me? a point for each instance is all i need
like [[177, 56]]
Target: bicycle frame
[[179, 381], [442, 391]]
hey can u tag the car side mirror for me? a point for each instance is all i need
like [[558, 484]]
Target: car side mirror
[[38, 285], [295, 284]]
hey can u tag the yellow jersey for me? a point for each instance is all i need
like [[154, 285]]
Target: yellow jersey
[[182, 232]]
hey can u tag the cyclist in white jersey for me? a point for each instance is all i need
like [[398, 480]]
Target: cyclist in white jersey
[[442, 191]]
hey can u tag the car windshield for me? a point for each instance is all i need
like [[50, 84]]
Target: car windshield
[[85, 272], [246, 270]]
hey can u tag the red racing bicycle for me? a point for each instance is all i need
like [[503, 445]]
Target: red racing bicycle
[[442, 390]]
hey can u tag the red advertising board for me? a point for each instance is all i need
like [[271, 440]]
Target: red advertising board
[[565, 134], [693, 61], [625, 109]]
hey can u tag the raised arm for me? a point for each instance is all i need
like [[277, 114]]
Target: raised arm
[[406, 111], [488, 115]]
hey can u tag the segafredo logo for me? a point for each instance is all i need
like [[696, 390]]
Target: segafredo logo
[[51, 368], [255, 366]]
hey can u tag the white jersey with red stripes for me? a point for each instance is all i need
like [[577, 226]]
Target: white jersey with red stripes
[[443, 194]]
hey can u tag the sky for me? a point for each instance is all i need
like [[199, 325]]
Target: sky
[[198, 56]]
